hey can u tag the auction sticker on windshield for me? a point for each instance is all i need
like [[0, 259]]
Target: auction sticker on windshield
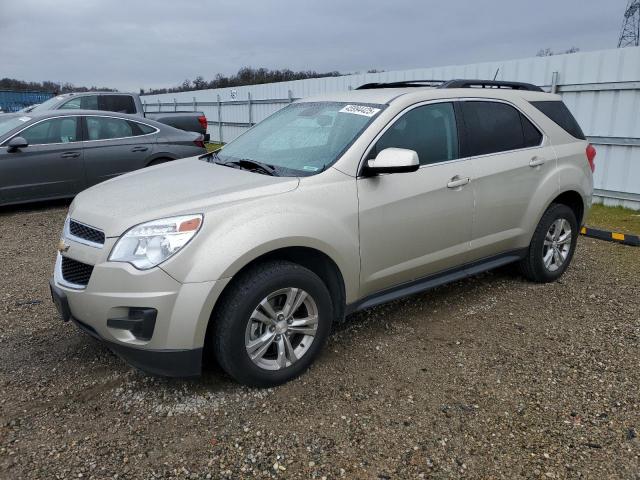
[[360, 110]]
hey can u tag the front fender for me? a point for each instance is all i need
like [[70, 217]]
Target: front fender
[[319, 215]]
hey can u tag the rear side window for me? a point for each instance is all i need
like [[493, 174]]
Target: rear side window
[[429, 130], [557, 111], [494, 127], [532, 136], [117, 103], [105, 128], [142, 129]]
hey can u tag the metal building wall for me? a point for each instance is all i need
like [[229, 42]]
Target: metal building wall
[[601, 88]]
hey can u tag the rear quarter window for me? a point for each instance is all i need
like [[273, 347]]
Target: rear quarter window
[[557, 111]]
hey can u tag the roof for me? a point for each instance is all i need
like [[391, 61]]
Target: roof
[[74, 112], [388, 95]]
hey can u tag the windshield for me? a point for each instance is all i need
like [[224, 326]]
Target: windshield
[[303, 138], [8, 123], [48, 105]]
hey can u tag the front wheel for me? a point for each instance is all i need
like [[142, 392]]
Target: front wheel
[[552, 245], [272, 323]]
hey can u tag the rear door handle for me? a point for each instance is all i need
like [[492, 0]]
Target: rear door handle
[[456, 182], [70, 155], [536, 161], [139, 149]]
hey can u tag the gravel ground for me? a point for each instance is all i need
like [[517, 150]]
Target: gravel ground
[[490, 377]]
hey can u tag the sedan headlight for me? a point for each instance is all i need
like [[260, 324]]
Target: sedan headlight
[[149, 244]]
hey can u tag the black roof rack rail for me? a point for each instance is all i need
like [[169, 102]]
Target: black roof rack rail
[[401, 84], [461, 83]]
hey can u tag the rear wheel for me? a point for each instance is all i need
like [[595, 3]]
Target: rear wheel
[[272, 323], [552, 245]]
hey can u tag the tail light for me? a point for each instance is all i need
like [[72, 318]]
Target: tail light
[[199, 142], [591, 157], [203, 122]]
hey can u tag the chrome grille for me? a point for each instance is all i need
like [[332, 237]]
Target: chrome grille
[[76, 272], [86, 233]]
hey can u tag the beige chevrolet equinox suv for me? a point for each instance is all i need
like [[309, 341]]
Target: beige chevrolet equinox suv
[[334, 204]]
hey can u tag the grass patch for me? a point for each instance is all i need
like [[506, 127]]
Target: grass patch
[[212, 146], [616, 219]]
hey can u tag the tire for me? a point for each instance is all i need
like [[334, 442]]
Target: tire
[[541, 266], [242, 324]]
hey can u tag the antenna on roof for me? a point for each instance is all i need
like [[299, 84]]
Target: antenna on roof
[[496, 75]]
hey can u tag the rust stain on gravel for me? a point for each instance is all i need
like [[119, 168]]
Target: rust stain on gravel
[[490, 377]]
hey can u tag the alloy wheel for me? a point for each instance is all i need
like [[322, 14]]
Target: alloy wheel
[[281, 328], [557, 244]]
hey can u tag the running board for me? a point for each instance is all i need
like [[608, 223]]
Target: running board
[[436, 280]]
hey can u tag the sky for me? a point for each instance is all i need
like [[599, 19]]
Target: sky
[[133, 44]]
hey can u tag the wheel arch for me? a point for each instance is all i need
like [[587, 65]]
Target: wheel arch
[[573, 200], [314, 259]]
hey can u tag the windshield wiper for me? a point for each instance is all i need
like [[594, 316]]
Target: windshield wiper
[[252, 165]]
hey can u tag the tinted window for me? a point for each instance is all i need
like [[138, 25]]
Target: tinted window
[[104, 128], [117, 103], [532, 136], [557, 111], [56, 130], [429, 130], [494, 127]]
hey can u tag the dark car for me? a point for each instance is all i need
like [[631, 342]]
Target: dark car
[[57, 154]]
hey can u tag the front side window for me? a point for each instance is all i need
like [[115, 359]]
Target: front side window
[[429, 130], [117, 103], [105, 128], [494, 127], [303, 138], [55, 130]]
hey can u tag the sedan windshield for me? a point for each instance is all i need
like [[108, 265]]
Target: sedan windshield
[[44, 106], [301, 139], [9, 122]]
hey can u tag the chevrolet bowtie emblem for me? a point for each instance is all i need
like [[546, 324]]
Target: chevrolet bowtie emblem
[[63, 247]]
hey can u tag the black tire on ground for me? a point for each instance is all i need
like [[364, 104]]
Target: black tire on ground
[[232, 315], [532, 266]]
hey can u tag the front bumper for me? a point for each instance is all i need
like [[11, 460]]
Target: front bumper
[[148, 318], [168, 363]]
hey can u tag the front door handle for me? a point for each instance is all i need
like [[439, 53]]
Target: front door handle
[[139, 149], [70, 155], [456, 182], [536, 161]]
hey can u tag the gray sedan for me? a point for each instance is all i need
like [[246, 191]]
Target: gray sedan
[[56, 155]]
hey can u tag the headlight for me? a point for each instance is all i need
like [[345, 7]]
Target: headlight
[[149, 244]]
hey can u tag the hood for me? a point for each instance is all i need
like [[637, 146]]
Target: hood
[[179, 187]]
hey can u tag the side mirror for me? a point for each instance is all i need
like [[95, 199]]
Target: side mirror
[[16, 143], [393, 160]]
